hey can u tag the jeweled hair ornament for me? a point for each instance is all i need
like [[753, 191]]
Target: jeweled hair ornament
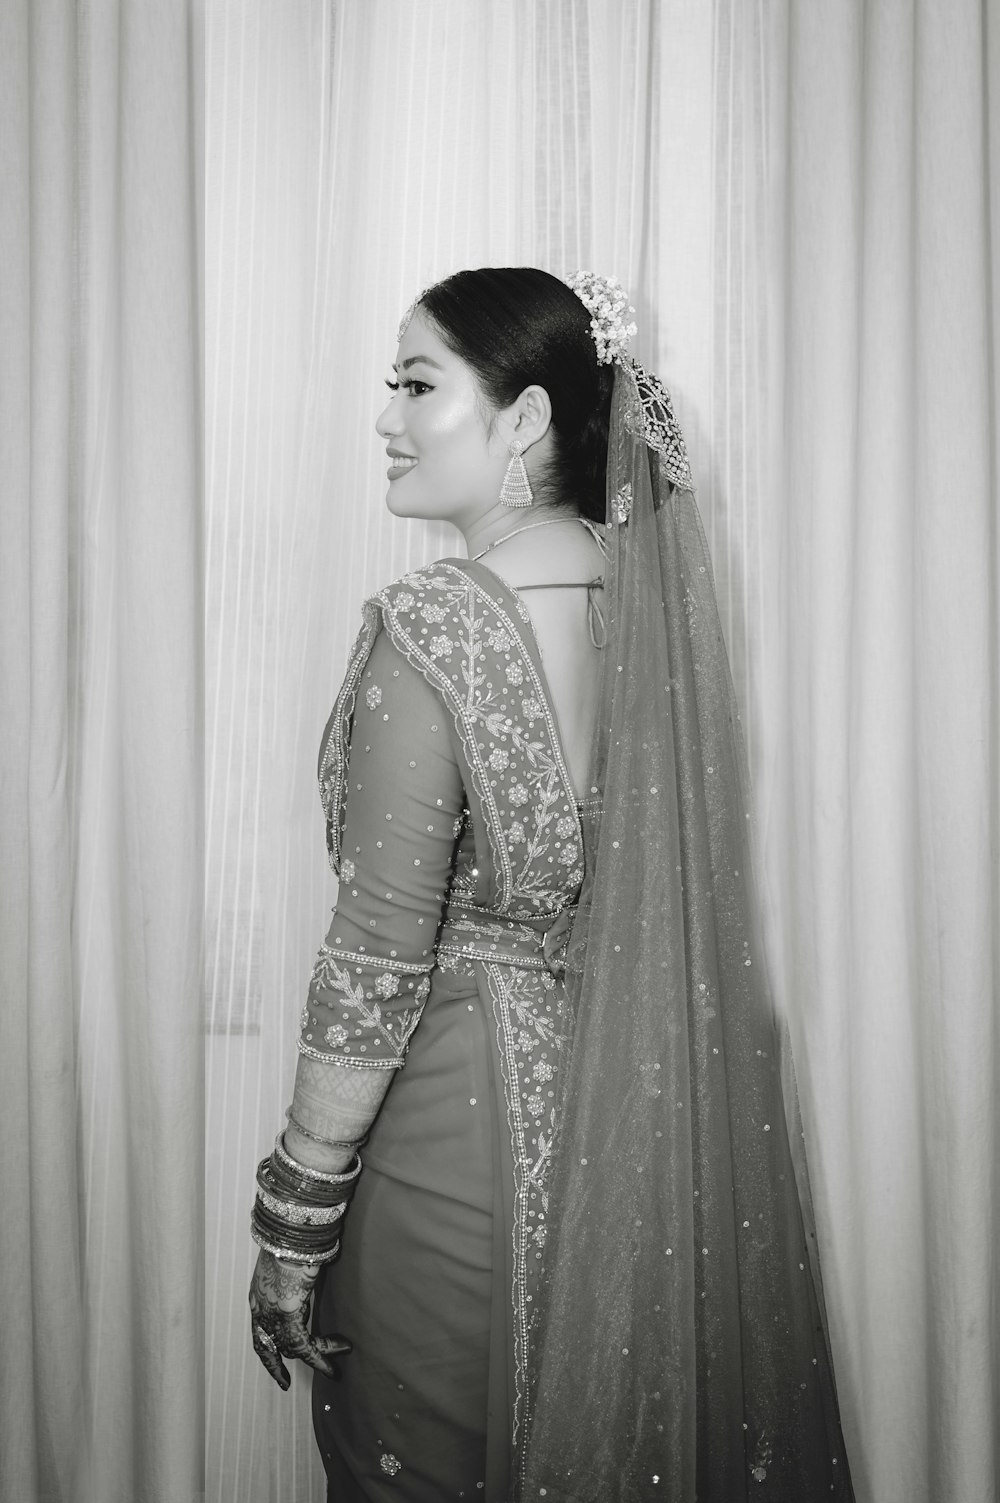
[[649, 411]]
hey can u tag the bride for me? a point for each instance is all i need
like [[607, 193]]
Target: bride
[[573, 1264]]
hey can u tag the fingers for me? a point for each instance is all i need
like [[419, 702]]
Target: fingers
[[318, 1352], [266, 1348], [294, 1340], [332, 1346]]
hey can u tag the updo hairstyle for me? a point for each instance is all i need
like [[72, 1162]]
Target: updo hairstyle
[[517, 326]]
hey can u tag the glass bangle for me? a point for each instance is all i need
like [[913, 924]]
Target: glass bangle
[[289, 1255], [282, 1184], [299, 1214], [315, 1137], [320, 1176]]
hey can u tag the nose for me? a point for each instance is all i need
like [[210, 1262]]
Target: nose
[[388, 423]]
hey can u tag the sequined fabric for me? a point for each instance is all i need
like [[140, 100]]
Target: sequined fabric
[[677, 1342], [453, 825], [576, 1266]]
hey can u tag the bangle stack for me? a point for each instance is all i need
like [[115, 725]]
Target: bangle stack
[[298, 1211]]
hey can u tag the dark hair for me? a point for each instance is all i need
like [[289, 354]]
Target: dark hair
[[517, 326]]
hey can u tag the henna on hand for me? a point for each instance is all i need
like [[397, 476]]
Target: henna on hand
[[279, 1307]]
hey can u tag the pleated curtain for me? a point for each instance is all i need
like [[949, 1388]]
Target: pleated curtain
[[101, 755], [881, 547], [355, 154], [801, 201]]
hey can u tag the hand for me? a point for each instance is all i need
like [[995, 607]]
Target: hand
[[279, 1310]]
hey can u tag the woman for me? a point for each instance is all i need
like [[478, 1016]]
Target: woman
[[575, 1264]]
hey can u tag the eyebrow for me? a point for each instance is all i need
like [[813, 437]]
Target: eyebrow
[[418, 360]]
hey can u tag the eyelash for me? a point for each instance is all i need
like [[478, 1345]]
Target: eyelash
[[409, 384]]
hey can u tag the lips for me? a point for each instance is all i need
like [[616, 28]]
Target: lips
[[401, 463]]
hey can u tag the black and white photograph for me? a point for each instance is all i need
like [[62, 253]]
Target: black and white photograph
[[500, 751]]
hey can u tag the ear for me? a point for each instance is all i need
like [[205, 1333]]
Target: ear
[[529, 418]]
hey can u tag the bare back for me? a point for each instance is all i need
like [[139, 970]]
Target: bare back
[[537, 565]]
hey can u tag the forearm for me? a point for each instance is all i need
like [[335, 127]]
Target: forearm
[[333, 1107]]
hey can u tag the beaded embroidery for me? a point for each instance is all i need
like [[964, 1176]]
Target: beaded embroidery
[[532, 1024], [385, 1035], [649, 415], [472, 642], [506, 727]]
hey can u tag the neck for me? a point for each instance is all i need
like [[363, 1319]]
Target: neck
[[497, 524]]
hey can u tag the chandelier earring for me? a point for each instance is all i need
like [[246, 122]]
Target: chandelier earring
[[516, 489]]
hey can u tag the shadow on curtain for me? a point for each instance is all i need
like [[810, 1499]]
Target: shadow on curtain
[[883, 723], [101, 1313]]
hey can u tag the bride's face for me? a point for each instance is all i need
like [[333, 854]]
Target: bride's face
[[443, 462]]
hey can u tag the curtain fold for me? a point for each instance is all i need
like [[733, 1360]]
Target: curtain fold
[[882, 720], [100, 755]]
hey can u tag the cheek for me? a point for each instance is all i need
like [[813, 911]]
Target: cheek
[[451, 432]]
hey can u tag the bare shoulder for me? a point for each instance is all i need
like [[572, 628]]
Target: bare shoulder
[[562, 555]]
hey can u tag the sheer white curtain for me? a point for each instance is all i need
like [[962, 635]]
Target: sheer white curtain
[[797, 198], [101, 1316], [882, 556], [355, 153]]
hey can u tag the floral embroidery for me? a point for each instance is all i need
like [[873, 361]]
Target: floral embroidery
[[532, 1026], [336, 1035], [379, 1038], [389, 1464], [374, 697], [520, 798], [761, 1459], [499, 732], [347, 869]]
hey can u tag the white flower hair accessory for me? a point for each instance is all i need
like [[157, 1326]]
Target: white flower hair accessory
[[606, 301]]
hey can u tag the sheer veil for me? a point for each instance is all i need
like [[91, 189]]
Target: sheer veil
[[677, 1345]]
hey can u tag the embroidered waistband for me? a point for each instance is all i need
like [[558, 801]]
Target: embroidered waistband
[[501, 941]]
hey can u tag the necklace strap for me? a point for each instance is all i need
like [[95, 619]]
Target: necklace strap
[[526, 527]]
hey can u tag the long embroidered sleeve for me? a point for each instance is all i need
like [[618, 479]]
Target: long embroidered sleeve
[[403, 797]]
